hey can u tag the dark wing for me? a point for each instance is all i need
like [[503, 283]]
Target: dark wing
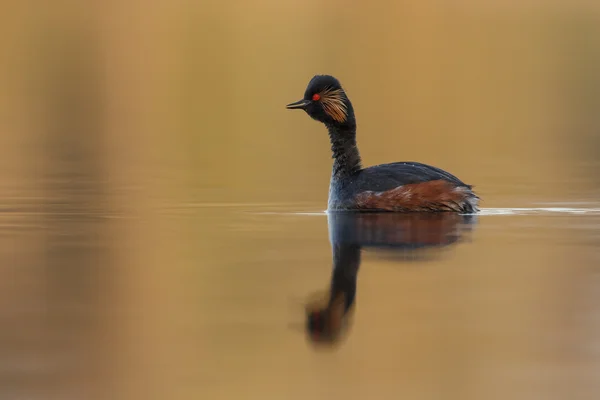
[[389, 176]]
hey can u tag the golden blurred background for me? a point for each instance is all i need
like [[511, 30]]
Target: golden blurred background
[[133, 131], [504, 94]]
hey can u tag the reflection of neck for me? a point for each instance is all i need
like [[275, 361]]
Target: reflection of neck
[[346, 261], [343, 146]]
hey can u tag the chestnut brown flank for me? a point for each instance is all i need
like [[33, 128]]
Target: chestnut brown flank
[[438, 195]]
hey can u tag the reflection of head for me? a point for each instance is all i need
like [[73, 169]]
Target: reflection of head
[[391, 232], [325, 324]]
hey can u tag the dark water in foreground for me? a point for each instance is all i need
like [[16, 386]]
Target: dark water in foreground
[[210, 301]]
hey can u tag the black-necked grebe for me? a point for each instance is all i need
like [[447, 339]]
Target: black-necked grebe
[[400, 186]]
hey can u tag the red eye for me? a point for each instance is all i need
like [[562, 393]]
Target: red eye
[[316, 97]]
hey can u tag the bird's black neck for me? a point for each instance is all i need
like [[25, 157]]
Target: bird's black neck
[[346, 158]]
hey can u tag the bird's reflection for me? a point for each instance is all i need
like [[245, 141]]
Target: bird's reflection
[[402, 236]]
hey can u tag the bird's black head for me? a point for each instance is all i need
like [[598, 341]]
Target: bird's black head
[[325, 100]]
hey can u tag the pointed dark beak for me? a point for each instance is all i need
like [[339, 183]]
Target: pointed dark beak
[[299, 104]]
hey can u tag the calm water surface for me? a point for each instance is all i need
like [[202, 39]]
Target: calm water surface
[[208, 300]]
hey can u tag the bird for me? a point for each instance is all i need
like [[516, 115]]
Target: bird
[[395, 187]]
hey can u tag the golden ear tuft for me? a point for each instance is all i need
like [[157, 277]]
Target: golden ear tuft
[[334, 105]]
